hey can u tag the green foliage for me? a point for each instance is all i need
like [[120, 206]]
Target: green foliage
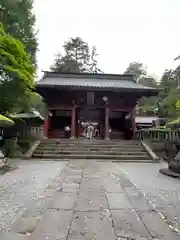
[[149, 81], [161, 127], [18, 46], [19, 21], [177, 120], [94, 63], [169, 96], [36, 101], [16, 72], [5, 122], [137, 69], [77, 58], [165, 104], [147, 106]]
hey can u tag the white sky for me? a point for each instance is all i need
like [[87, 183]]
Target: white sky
[[123, 31]]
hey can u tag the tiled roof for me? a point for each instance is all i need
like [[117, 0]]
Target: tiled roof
[[103, 81]]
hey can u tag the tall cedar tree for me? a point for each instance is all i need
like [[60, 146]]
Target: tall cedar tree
[[77, 58]]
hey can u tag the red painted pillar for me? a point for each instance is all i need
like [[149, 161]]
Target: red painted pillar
[[133, 121], [106, 135], [46, 126], [73, 123]]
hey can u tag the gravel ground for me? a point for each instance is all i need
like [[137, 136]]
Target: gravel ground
[[162, 191], [19, 187]]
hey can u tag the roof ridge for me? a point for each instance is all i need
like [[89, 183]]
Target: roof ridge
[[101, 76]]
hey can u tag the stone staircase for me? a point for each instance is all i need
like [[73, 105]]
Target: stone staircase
[[112, 150]]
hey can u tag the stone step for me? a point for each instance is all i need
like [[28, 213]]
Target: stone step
[[100, 152], [110, 145], [90, 148], [89, 142], [86, 140], [92, 140], [89, 156], [101, 160]]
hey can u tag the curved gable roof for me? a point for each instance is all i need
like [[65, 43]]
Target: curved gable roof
[[92, 81]]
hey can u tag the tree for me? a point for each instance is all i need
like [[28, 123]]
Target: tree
[[148, 105], [149, 81], [16, 73], [136, 69], [170, 94], [94, 64], [145, 105], [77, 58], [18, 20], [36, 102], [168, 80]]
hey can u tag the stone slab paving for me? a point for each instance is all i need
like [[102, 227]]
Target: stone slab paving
[[91, 200], [18, 188], [63, 201], [162, 191], [54, 225], [127, 223]]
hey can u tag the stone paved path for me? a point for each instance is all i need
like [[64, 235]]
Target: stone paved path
[[162, 191], [90, 201], [19, 187]]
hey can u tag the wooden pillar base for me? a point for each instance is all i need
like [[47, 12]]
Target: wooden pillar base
[[107, 138]]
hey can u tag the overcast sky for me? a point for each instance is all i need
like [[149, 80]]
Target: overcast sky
[[123, 31]]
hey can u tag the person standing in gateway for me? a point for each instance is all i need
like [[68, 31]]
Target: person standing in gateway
[[90, 131]]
